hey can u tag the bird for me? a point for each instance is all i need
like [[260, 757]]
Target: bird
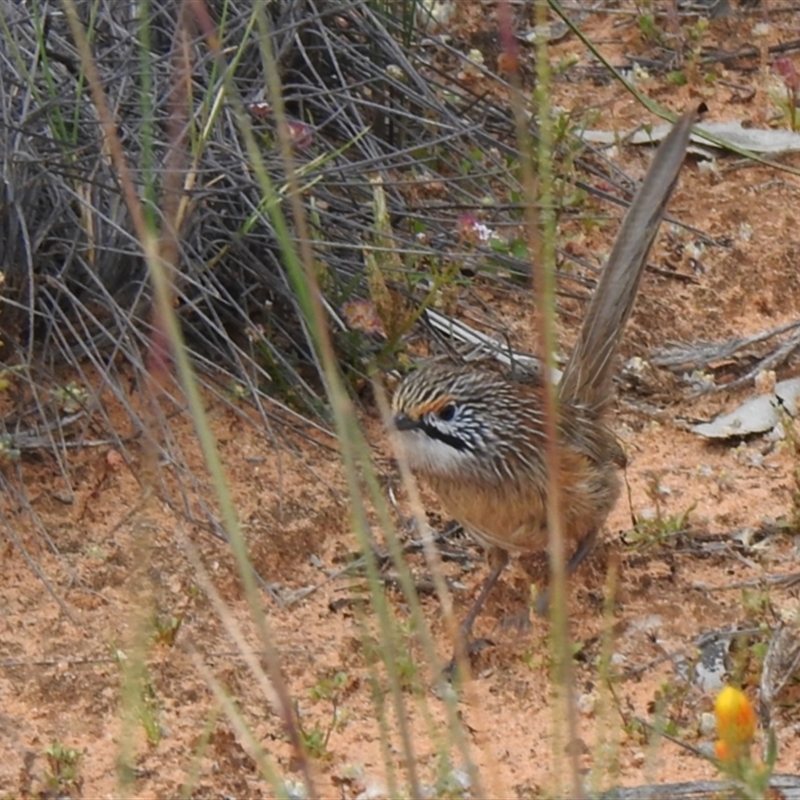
[[478, 438]]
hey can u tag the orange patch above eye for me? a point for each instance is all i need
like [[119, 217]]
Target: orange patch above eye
[[434, 406]]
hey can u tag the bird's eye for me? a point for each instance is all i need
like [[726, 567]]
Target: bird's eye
[[446, 413]]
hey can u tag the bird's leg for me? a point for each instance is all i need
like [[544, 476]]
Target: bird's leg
[[498, 559], [585, 546]]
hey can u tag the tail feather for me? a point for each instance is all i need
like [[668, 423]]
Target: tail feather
[[590, 370]]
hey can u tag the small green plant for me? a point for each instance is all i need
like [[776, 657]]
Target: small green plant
[[648, 28], [331, 689], [8, 452], [747, 653], [315, 741], [165, 628], [238, 392], [451, 783], [533, 660], [405, 663], [658, 527], [636, 730], [149, 714], [695, 35], [565, 64], [661, 528], [755, 602], [667, 706], [144, 702], [8, 374], [677, 78], [63, 764], [787, 101], [71, 398]]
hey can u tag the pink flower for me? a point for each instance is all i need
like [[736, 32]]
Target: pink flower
[[786, 69], [473, 230], [300, 134]]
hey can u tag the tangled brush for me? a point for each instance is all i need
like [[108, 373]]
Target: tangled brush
[[400, 159]]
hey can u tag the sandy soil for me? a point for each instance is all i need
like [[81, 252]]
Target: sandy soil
[[118, 562]]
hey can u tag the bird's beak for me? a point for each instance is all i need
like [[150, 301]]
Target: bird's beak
[[402, 422]]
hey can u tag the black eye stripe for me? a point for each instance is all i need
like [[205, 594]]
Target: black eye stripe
[[446, 438]]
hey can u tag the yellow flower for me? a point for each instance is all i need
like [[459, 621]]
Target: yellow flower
[[736, 719]]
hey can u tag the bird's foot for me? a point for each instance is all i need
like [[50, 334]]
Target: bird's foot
[[470, 648]]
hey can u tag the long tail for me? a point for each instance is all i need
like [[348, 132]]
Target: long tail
[[590, 370]]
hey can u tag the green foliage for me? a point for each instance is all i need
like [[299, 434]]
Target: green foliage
[[661, 527], [648, 28], [238, 392], [315, 741], [148, 709], [407, 670], [328, 689], [747, 652], [677, 78], [667, 707], [165, 628], [8, 453], [755, 601], [695, 34], [9, 374], [143, 698], [71, 398], [787, 99], [636, 730], [63, 765], [451, 783]]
